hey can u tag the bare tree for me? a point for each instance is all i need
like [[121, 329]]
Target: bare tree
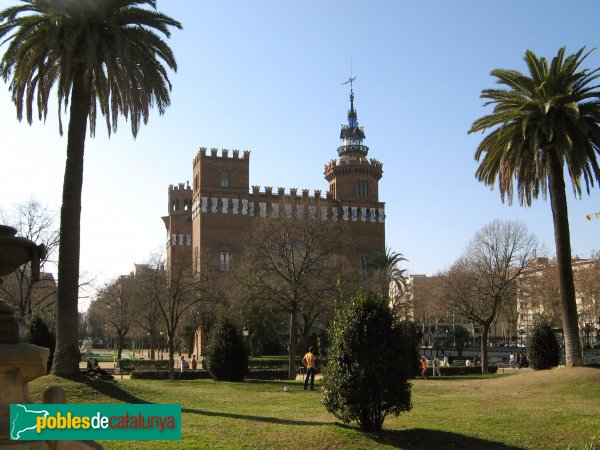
[[293, 266], [539, 290], [36, 222], [115, 303], [147, 315], [427, 305], [174, 293], [485, 276], [587, 282]]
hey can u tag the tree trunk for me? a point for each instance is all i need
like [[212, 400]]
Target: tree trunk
[[568, 305], [485, 331], [171, 356], [292, 346], [67, 355]]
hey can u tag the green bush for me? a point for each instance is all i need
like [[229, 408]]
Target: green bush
[[226, 353], [127, 365], [367, 372], [543, 351]]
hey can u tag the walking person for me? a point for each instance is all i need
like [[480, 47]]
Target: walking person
[[424, 367], [310, 362], [183, 366], [436, 367]]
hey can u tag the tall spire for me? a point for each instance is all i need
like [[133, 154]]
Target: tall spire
[[352, 134]]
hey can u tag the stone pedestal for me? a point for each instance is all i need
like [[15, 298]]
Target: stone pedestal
[[19, 364]]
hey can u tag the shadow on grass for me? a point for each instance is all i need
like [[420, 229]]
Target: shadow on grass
[[420, 438], [110, 389], [273, 420]]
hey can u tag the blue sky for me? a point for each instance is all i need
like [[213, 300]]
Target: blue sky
[[266, 76]]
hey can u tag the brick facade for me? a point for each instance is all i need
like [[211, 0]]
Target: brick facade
[[220, 210]]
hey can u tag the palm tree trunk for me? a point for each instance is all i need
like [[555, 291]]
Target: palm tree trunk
[[568, 305], [67, 356]]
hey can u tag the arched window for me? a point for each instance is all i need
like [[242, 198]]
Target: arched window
[[225, 260]]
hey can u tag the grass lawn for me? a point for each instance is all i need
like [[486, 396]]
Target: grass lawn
[[523, 409]]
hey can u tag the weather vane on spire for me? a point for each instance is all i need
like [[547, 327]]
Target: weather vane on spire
[[350, 81]]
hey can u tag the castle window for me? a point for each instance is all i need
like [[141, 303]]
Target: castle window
[[185, 205], [225, 259], [363, 188], [224, 179]]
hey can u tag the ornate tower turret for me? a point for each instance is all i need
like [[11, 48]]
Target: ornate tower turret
[[354, 178], [352, 134]]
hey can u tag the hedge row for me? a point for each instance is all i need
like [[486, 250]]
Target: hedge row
[[272, 363], [128, 365], [259, 374], [462, 370]]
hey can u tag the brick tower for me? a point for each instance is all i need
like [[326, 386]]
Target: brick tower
[[354, 181], [179, 225], [221, 208]]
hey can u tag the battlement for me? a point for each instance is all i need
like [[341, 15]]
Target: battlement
[[235, 154], [353, 162], [182, 187], [281, 194]]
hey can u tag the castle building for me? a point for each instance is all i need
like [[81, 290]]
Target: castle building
[[208, 222]]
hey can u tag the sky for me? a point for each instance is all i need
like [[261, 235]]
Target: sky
[[266, 76]]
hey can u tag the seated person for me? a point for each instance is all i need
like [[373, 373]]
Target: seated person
[[468, 363]]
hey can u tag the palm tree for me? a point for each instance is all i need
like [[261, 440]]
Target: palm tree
[[98, 54], [541, 122], [388, 273]]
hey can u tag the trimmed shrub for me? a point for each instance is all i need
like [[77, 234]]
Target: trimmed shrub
[[543, 351], [368, 370], [127, 365], [226, 353]]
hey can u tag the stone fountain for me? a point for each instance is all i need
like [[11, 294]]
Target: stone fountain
[[20, 362]]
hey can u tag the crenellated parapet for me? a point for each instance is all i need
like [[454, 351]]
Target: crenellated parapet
[[180, 188], [180, 198], [355, 166], [214, 154]]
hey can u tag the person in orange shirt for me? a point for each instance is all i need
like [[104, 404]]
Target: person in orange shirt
[[424, 367], [310, 362]]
